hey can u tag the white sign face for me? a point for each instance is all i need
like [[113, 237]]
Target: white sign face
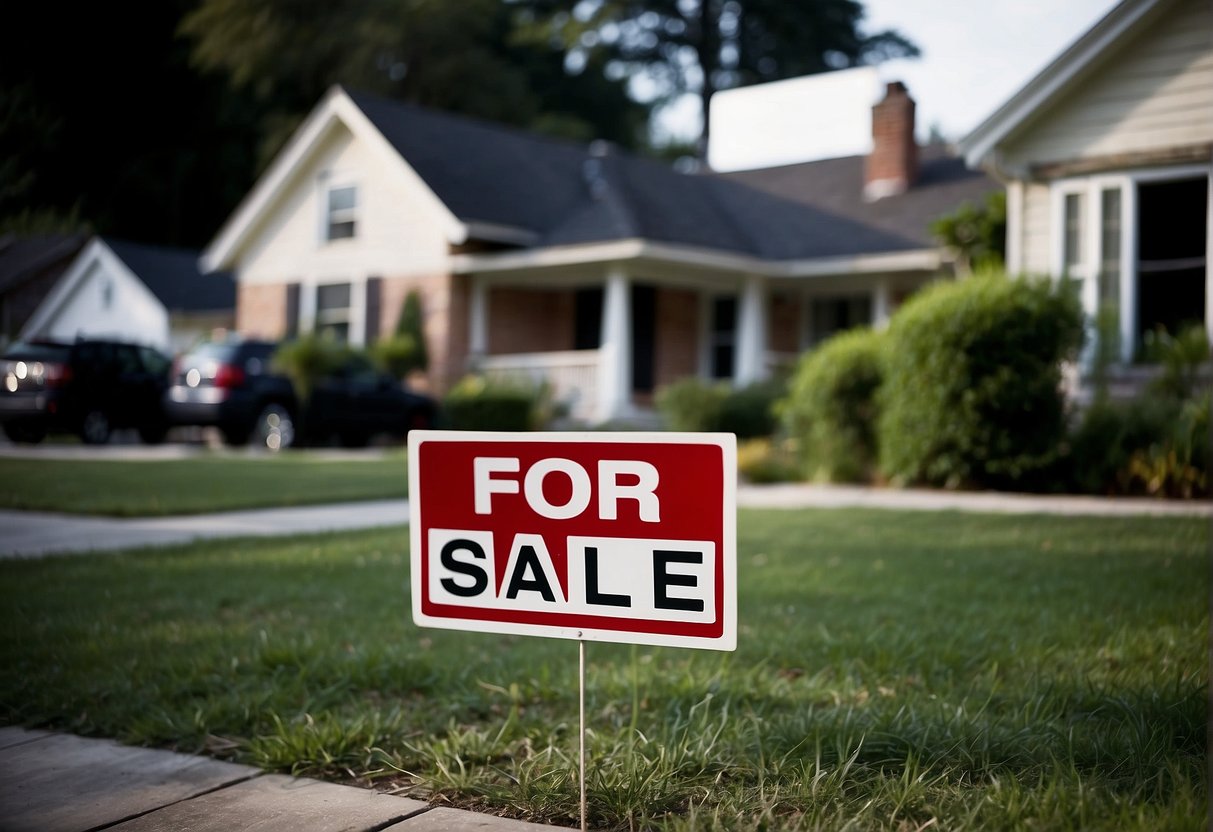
[[626, 537]]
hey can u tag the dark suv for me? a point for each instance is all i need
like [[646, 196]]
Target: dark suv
[[89, 387], [229, 385], [232, 385]]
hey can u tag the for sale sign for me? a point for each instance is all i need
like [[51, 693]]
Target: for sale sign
[[626, 537]]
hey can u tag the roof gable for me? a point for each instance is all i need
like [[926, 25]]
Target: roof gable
[[1071, 67], [173, 276]]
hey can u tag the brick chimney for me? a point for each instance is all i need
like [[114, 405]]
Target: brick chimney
[[893, 164]]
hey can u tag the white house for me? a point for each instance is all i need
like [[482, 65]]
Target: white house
[[606, 274], [1106, 159], [144, 294]]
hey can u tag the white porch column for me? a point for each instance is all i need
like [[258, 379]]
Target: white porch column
[[478, 319], [882, 303], [615, 350], [752, 332]]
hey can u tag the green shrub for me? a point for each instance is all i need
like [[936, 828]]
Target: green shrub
[[1109, 435], [972, 382], [831, 407], [310, 358], [1181, 356], [749, 411], [692, 405], [696, 406], [763, 460], [477, 403], [398, 355]]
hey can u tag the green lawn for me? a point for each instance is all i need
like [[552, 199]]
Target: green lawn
[[895, 671], [196, 485]]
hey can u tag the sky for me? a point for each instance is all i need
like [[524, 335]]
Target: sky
[[975, 54]]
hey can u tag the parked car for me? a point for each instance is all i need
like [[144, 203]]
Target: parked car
[[89, 387], [234, 386]]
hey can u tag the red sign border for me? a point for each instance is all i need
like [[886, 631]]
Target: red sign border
[[595, 628]]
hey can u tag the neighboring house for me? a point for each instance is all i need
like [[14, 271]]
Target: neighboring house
[[1106, 159], [29, 268], [145, 294], [605, 274]]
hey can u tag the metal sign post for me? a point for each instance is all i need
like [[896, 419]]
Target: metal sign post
[[581, 722]]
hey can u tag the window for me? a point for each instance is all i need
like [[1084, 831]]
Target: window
[[723, 337], [1072, 239], [341, 212], [1172, 218], [1109, 249], [333, 311]]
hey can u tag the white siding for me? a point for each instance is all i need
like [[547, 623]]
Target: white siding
[[106, 301], [397, 234], [1036, 229], [1156, 93]]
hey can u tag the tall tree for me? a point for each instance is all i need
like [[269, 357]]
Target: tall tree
[[103, 123], [459, 57], [702, 46]]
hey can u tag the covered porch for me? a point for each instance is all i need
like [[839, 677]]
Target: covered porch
[[605, 337]]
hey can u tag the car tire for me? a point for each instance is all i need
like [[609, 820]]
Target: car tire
[[274, 429], [25, 433], [95, 427]]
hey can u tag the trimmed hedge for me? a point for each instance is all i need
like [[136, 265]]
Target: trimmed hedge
[[693, 405], [972, 383], [478, 404], [831, 411]]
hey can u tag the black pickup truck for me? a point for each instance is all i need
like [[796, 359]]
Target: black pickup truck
[[232, 385]]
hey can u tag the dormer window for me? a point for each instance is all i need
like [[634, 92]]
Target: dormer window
[[342, 212]]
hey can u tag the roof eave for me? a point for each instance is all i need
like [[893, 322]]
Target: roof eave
[[335, 107], [639, 249], [979, 146]]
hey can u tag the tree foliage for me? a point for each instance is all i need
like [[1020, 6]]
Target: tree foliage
[[458, 57], [707, 45], [976, 233]]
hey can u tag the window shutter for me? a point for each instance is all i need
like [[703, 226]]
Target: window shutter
[[292, 310], [374, 293]]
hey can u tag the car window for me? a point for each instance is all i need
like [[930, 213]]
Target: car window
[[94, 357], [154, 361], [126, 359]]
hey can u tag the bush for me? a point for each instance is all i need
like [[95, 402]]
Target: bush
[[1107, 438], [398, 355], [764, 461], [749, 411], [476, 403], [1181, 356], [831, 407], [1149, 446], [697, 406], [972, 382], [308, 359], [692, 405]]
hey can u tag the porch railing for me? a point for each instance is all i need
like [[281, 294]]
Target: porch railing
[[571, 376]]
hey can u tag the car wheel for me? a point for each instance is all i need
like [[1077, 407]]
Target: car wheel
[[274, 429], [95, 427], [26, 433]]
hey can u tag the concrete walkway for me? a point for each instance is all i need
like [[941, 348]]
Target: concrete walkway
[[33, 534], [60, 783]]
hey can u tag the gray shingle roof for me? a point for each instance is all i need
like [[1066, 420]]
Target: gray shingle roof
[[172, 275], [24, 257], [565, 193]]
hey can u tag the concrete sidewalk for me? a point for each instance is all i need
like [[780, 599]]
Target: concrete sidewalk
[[61, 783], [33, 534]]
